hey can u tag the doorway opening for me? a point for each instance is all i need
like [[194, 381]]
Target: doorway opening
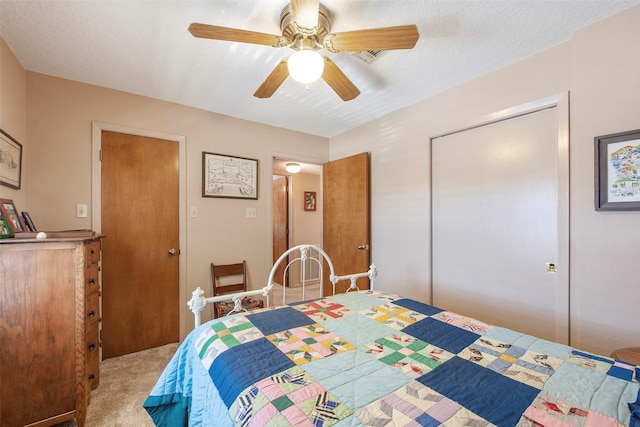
[[296, 208]]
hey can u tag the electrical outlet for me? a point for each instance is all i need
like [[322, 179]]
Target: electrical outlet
[[81, 211], [252, 213]]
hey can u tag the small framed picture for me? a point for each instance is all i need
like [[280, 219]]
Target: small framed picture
[[5, 231], [10, 161], [309, 200], [28, 222], [10, 213], [617, 171]]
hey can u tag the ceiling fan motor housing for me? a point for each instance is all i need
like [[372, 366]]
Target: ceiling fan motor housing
[[305, 38]]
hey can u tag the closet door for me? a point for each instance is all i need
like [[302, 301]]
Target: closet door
[[495, 225]]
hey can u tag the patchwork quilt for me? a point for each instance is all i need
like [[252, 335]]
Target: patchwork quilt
[[373, 358]]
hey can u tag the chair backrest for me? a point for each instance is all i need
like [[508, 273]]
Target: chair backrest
[[223, 280]]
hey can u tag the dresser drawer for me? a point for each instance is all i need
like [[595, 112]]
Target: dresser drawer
[[92, 282], [92, 311], [93, 357], [93, 252]]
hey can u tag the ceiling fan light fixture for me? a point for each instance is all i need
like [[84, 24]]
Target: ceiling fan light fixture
[[292, 167], [305, 66]]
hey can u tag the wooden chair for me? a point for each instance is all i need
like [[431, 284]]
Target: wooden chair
[[231, 278]]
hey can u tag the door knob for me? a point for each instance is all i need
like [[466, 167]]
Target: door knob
[[172, 251], [363, 247]]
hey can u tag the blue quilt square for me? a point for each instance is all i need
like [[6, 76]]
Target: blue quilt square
[[496, 398], [621, 372], [278, 320], [447, 337], [427, 420], [245, 364], [418, 307]]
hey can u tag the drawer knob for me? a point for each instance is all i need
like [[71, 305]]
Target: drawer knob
[[92, 281], [92, 346], [91, 313], [92, 377]]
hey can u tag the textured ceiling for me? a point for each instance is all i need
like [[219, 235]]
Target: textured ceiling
[[143, 47]]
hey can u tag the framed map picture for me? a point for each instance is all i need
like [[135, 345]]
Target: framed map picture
[[617, 174], [229, 176]]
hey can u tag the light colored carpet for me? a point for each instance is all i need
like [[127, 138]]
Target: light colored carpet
[[125, 383]]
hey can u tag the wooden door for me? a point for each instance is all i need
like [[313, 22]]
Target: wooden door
[[495, 225], [140, 275], [346, 229], [280, 218]]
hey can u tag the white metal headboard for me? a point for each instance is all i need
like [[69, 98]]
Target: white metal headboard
[[198, 302]]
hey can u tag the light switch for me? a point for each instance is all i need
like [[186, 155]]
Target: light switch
[[81, 211], [252, 213], [194, 212]]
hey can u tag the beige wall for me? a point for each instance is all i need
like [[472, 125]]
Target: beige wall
[[601, 70], [307, 225], [58, 166], [12, 113]]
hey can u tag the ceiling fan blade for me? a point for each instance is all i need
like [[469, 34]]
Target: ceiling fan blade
[[273, 81], [305, 13], [402, 37], [338, 81], [206, 31]]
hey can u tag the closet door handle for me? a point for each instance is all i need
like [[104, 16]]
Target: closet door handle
[[363, 247]]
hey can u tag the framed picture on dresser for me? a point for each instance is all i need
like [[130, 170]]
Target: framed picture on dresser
[[5, 231], [28, 221], [10, 213]]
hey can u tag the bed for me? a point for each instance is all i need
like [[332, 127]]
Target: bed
[[368, 357]]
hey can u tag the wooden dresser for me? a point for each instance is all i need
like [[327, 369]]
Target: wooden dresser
[[49, 329]]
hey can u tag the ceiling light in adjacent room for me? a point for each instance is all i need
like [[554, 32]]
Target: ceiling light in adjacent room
[[305, 66], [292, 167]]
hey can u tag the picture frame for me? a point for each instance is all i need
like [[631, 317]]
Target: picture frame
[[10, 161], [26, 218], [229, 177], [309, 200], [10, 213], [5, 230], [617, 171]]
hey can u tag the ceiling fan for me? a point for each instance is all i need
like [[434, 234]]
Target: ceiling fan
[[306, 26]]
